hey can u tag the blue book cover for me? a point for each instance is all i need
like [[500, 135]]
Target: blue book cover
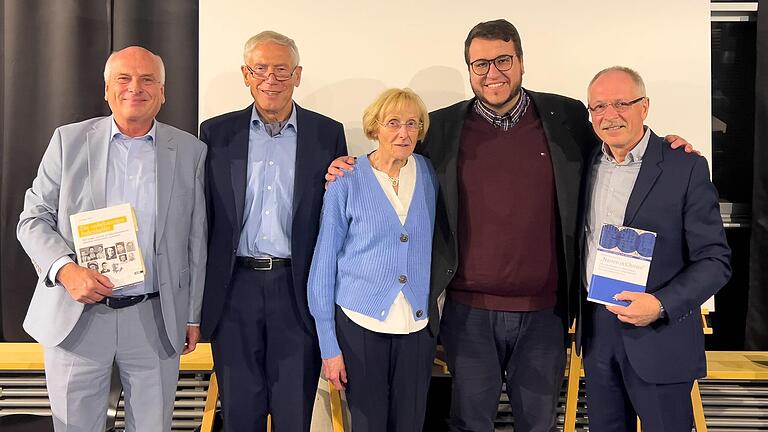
[[622, 263]]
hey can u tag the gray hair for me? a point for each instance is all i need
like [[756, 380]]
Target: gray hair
[[158, 60], [636, 78], [274, 37]]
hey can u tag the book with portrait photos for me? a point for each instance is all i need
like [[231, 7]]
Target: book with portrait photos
[[106, 242]]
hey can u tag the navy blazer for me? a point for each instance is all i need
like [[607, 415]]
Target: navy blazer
[[674, 197], [319, 141]]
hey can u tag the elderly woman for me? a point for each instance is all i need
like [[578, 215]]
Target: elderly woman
[[369, 282]]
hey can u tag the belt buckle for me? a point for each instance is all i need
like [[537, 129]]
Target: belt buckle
[[269, 261], [106, 302]]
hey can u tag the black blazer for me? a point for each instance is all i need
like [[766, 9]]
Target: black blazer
[[674, 198], [319, 141], [570, 139]]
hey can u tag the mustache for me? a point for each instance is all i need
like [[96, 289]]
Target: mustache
[[609, 124]]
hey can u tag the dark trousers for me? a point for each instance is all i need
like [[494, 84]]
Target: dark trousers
[[616, 395], [265, 359], [388, 376], [485, 348]]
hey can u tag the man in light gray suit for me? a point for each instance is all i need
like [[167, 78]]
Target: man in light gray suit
[[84, 325]]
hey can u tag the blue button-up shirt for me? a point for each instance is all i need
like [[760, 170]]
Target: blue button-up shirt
[[611, 185], [132, 178], [268, 211]]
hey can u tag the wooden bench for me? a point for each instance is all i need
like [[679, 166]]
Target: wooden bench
[[721, 365], [26, 357]]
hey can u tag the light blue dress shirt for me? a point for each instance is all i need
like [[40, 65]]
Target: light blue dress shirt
[[268, 210], [611, 184], [132, 178]]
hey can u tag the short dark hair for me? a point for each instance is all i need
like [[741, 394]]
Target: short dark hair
[[499, 29]]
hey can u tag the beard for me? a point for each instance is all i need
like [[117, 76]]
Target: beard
[[498, 107]]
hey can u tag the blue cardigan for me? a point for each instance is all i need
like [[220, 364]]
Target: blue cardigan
[[364, 256]]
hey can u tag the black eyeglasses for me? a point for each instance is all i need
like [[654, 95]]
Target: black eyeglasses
[[619, 106], [281, 73], [502, 63]]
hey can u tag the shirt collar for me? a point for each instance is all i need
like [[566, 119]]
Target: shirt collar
[[149, 136], [507, 119], [259, 123], [635, 155]]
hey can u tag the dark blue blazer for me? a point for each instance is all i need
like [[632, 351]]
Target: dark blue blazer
[[319, 141], [674, 197]]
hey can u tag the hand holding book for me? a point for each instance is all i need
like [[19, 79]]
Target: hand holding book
[[84, 284], [643, 308]]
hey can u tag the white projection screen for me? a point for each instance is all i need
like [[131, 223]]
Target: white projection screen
[[353, 50]]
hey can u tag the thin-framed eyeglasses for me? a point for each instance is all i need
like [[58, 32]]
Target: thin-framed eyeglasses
[[482, 66], [396, 124], [281, 73], [619, 106]]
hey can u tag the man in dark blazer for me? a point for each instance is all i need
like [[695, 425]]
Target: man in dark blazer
[[510, 164], [641, 360], [265, 192]]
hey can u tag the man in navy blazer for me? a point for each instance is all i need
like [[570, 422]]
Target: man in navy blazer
[[265, 191], [641, 360]]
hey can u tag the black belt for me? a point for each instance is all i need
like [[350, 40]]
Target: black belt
[[124, 302], [262, 263]]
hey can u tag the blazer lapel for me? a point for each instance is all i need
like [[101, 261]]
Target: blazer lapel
[[447, 170], [566, 158], [649, 172], [97, 144], [165, 149], [304, 157], [238, 152]]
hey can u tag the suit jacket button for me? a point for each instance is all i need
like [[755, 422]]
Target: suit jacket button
[[403, 279], [403, 238], [449, 271], [419, 313]]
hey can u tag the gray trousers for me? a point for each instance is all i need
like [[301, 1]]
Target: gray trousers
[[78, 370]]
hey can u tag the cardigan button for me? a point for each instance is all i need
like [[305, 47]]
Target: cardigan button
[[419, 313], [403, 279], [403, 238]]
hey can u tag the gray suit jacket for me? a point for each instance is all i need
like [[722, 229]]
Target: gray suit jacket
[[72, 179]]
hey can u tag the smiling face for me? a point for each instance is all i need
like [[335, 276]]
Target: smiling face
[[498, 90], [621, 131], [398, 143], [133, 89], [271, 97]]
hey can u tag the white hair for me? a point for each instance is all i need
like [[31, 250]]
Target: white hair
[[158, 60], [636, 78], [274, 37]]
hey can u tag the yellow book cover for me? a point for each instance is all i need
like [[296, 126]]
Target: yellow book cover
[[106, 242]]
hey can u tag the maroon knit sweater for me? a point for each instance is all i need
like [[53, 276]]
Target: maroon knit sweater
[[506, 220]]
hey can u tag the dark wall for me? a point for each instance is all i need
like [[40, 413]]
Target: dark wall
[[53, 61], [757, 313]]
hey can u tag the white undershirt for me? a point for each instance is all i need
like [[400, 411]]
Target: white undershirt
[[400, 318]]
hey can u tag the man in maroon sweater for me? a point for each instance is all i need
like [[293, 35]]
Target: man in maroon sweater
[[510, 163]]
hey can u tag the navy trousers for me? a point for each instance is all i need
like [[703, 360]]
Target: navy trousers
[[616, 395], [388, 376], [265, 359], [485, 348]]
